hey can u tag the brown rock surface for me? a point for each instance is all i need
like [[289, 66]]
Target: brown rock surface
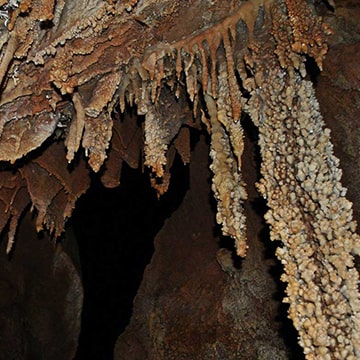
[[197, 300], [41, 299]]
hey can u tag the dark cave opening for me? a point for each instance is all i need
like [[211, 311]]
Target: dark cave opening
[[115, 229]]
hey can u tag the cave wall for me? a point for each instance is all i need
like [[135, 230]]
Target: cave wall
[[41, 297], [337, 89]]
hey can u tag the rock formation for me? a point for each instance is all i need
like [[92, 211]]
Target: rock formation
[[76, 77]]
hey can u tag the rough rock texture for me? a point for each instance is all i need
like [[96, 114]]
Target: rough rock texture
[[194, 302], [343, 119]]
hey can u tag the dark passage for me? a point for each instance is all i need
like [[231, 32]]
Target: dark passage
[[115, 229]]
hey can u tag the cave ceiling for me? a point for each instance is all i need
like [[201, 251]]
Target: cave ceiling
[[88, 85]]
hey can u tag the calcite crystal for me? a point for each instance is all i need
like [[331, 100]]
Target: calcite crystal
[[309, 213], [227, 145]]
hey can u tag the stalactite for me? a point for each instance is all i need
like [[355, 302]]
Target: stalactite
[[202, 48], [311, 216], [96, 139], [285, 185], [76, 128], [155, 137], [226, 149], [308, 211]]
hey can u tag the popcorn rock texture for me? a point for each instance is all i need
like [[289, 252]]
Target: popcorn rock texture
[[227, 146], [309, 213]]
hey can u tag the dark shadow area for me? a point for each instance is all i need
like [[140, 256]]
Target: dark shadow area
[[312, 70], [115, 229]]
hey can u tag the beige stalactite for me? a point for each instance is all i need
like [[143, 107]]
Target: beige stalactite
[[309, 213], [226, 149], [155, 134]]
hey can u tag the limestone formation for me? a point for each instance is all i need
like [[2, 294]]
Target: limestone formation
[[309, 213], [227, 146]]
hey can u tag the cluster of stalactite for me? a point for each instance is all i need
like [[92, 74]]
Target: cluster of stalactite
[[252, 61]]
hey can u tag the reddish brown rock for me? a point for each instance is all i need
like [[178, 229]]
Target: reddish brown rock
[[197, 300]]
